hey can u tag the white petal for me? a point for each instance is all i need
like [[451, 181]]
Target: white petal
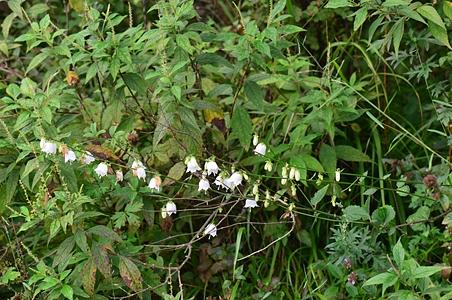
[[119, 176], [204, 185], [211, 167], [250, 203], [192, 165], [101, 169], [69, 156], [260, 149], [171, 208], [211, 230]]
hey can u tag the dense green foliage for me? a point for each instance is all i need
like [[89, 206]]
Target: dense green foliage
[[330, 122]]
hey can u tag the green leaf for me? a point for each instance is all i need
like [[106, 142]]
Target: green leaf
[[241, 126], [328, 159], [439, 33], [354, 213], [254, 93], [426, 271], [176, 91], [105, 232], [360, 17], [398, 253], [263, 48], [135, 82], [311, 163], [67, 292], [89, 276], [319, 195], [54, 228], [383, 215], [431, 14], [6, 24], [338, 4], [397, 35], [386, 279], [80, 240], [349, 153], [15, 6], [392, 3], [130, 274], [28, 87], [175, 173], [63, 251], [447, 9]]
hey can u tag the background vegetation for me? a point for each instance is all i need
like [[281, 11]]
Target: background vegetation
[[350, 98]]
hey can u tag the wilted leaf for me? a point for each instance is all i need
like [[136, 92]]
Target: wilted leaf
[[175, 173], [130, 274]]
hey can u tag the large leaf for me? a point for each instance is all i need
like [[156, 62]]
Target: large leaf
[[328, 159], [426, 271], [386, 279], [349, 153], [105, 232], [241, 126], [354, 213], [130, 274]]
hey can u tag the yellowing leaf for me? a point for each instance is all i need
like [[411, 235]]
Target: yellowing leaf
[[77, 5]]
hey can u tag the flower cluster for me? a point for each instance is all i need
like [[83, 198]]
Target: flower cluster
[[223, 179]]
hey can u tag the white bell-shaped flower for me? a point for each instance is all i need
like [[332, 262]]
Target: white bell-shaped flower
[[204, 185], [48, 147], [192, 165], [139, 170], [119, 176], [250, 203], [234, 180], [211, 230], [219, 181], [211, 167], [154, 183], [260, 149], [101, 169], [69, 156], [87, 158], [170, 208]]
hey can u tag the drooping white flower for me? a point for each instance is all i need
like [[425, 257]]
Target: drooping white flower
[[119, 176], [250, 203], [69, 156], [234, 180], [255, 139], [337, 175], [268, 166], [211, 230], [87, 158], [292, 173], [297, 175], [204, 185], [219, 181], [48, 147], [139, 170], [101, 169], [211, 167], [260, 149], [170, 208], [192, 165], [154, 183]]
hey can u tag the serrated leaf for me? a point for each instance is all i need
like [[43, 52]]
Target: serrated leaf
[[63, 251], [241, 126], [386, 279], [398, 253], [81, 241], [89, 276], [319, 195], [67, 292], [135, 82], [101, 259], [426, 271], [337, 4], [130, 274], [28, 87], [263, 48], [254, 93], [349, 153], [105, 232]]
